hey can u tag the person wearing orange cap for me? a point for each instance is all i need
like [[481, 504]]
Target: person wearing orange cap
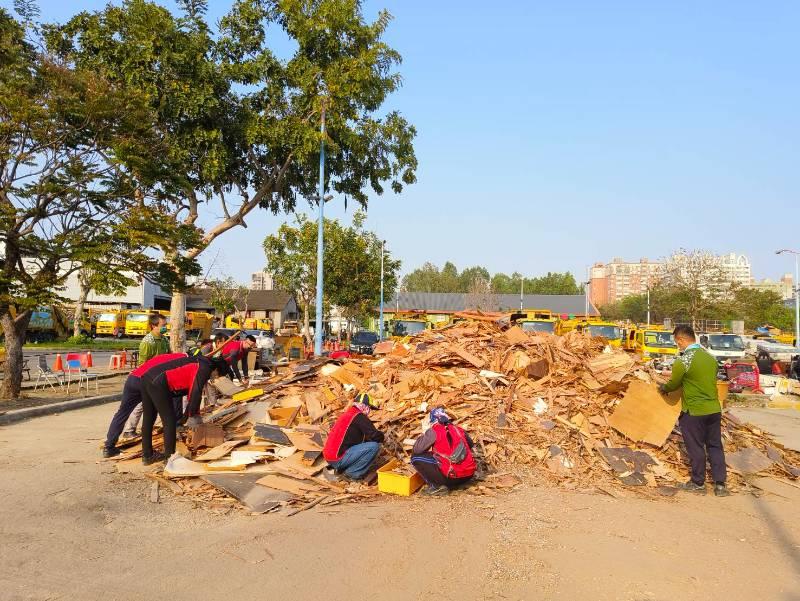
[[354, 441]]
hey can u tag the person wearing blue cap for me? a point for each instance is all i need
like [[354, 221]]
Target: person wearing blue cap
[[443, 455], [354, 442]]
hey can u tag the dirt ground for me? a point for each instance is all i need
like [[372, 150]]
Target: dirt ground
[[71, 528]]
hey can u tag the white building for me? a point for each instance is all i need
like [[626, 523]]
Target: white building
[[736, 268], [261, 280], [144, 295]]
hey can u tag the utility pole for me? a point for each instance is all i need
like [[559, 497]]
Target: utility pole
[[521, 292], [796, 254], [648, 304], [380, 320], [320, 240]]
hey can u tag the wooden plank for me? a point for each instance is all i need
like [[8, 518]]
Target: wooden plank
[[314, 406], [469, 357], [516, 335], [219, 451]]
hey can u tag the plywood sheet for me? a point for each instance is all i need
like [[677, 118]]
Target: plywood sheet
[[286, 484], [748, 461], [226, 386], [303, 442], [243, 487], [516, 335], [645, 415]]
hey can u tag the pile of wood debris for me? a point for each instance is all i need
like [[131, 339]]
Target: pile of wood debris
[[565, 410]]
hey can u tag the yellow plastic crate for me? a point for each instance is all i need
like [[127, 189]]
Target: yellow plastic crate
[[398, 484]]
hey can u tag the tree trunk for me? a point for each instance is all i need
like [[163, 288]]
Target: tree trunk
[[177, 320], [60, 324], [78, 317], [14, 331], [307, 324]]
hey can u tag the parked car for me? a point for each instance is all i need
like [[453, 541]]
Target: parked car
[[362, 342], [223, 333]]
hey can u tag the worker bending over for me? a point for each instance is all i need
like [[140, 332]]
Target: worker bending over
[[235, 352], [131, 399], [160, 384], [154, 343], [353, 442], [443, 455], [701, 413]]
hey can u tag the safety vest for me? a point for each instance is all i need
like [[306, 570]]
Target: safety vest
[[333, 446], [452, 452]]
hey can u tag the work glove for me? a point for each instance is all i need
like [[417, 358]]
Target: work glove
[[194, 420]]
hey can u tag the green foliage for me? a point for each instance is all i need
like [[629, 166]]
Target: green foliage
[[429, 278], [240, 126], [227, 296], [352, 264], [754, 307]]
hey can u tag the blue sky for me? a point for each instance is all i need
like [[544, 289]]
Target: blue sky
[[553, 135]]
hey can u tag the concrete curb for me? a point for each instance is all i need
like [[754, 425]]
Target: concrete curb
[[18, 415]]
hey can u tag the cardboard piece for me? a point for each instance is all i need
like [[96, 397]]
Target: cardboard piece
[[178, 466], [314, 405], [282, 416], [294, 465], [219, 451], [345, 376], [645, 415], [243, 487], [205, 435]]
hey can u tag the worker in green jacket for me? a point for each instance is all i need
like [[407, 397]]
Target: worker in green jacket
[[154, 343], [701, 413]]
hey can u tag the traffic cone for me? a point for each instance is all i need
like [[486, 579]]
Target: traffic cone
[[124, 358], [89, 359], [59, 364]]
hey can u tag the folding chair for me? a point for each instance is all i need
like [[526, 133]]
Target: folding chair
[[76, 366], [48, 375]]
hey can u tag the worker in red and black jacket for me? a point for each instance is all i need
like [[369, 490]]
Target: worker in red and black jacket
[[353, 442], [160, 383], [131, 397], [234, 352]]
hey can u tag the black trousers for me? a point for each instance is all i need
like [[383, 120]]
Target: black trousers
[[426, 466], [131, 396], [702, 435], [157, 398]]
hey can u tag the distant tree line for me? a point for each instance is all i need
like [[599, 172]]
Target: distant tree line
[[429, 278]]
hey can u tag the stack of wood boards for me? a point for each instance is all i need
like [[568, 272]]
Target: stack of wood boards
[[565, 410]]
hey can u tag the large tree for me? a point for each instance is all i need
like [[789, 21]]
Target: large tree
[[352, 265], [241, 125], [64, 134]]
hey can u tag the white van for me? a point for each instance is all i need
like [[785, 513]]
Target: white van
[[723, 347]]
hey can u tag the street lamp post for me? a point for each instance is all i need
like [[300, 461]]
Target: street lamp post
[[796, 290], [380, 320], [320, 240]]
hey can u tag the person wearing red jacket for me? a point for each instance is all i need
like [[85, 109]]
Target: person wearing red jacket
[[235, 352], [131, 397], [443, 455], [160, 383], [353, 442]]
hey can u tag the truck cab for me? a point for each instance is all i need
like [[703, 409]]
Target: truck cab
[[408, 324], [111, 323], [655, 344], [595, 328], [535, 320], [723, 347]]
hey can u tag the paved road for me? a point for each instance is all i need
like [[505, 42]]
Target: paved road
[[71, 528]]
